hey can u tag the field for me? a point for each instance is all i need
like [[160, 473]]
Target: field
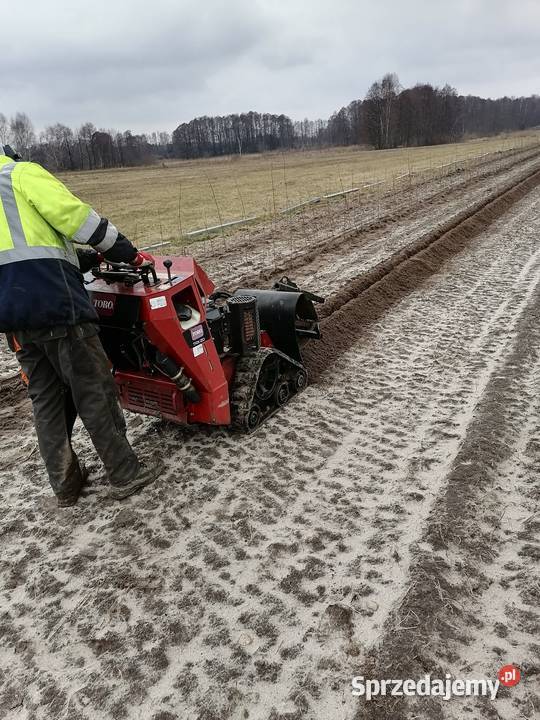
[[169, 200], [385, 523]]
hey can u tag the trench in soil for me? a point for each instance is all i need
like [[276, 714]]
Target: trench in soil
[[365, 298]]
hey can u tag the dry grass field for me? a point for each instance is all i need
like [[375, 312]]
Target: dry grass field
[[168, 200]]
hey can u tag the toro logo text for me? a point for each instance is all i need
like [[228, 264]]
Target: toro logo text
[[104, 303]]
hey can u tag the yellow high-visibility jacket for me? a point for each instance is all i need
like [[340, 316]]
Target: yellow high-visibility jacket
[[40, 220]]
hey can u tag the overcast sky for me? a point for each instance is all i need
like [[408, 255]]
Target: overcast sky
[[151, 64]]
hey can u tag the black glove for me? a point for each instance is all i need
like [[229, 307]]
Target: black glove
[[88, 259]]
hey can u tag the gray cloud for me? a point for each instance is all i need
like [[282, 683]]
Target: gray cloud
[[149, 65]]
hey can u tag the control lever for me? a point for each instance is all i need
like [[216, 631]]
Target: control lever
[[168, 265]]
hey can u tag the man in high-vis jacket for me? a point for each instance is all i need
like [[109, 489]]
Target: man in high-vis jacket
[[51, 323]]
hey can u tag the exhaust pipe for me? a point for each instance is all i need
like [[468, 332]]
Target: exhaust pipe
[[168, 367]]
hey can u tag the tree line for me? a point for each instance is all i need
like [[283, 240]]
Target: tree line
[[246, 133], [389, 116], [58, 147]]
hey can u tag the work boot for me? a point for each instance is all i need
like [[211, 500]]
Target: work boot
[[146, 475], [70, 498]]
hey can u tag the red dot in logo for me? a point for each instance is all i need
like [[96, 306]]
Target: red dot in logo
[[509, 675]]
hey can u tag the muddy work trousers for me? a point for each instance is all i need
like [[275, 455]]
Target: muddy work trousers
[[68, 375]]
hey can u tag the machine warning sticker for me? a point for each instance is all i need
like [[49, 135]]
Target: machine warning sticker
[[198, 350], [158, 302]]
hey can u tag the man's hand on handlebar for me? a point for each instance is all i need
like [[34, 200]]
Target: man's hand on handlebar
[[143, 260], [140, 268]]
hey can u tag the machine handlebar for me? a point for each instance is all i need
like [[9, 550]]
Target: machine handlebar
[[127, 274]]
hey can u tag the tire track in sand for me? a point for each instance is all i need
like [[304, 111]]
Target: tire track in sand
[[473, 601]]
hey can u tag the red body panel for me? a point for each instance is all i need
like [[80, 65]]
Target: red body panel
[[144, 391]]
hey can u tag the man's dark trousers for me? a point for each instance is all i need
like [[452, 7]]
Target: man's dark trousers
[[68, 374]]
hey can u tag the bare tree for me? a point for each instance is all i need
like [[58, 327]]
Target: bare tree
[[381, 105], [84, 138], [57, 145], [103, 149], [164, 139], [22, 132], [4, 129], [390, 88]]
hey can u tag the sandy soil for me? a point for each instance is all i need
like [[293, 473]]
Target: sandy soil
[[384, 524]]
